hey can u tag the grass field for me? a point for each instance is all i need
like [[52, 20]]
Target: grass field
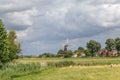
[[27, 60], [92, 68], [89, 68], [80, 61], [76, 73]]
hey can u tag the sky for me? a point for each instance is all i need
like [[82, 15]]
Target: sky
[[44, 25]]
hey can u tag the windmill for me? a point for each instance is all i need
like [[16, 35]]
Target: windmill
[[64, 49], [66, 45]]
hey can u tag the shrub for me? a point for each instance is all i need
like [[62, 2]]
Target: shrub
[[61, 64]]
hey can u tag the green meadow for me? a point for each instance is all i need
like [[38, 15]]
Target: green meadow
[[90, 68], [75, 73]]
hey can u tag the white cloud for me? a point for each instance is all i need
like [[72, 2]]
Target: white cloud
[[22, 18], [6, 6], [22, 34], [41, 23], [102, 15]]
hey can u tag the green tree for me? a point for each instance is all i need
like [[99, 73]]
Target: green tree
[[87, 52], [4, 51], [110, 44], [60, 53], [14, 46], [81, 49], [117, 45], [66, 54], [69, 53], [93, 46], [47, 55]]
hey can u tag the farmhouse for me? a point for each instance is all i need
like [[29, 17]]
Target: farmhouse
[[104, 52], [76, 53]]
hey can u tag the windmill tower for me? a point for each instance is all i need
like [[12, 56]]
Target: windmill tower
[[66, 45]]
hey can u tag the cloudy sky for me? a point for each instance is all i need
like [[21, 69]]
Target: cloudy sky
[[44, 25]]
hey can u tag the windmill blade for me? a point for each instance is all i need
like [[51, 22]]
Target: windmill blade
[[65, 43]]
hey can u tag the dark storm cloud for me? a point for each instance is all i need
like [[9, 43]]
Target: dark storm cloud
[[42, 23]]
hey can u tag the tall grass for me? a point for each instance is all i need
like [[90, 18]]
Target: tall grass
[[67, 73], [13, 70]]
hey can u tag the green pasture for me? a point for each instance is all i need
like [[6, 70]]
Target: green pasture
[[84, 61], [76, 73], [25, 60], [87, 68]]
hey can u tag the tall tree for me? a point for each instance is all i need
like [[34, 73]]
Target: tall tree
[[68, 54], [117, 45], [81, 49], [4, 51], [60, 53], [14, 45], [110, 44], [93, 46]]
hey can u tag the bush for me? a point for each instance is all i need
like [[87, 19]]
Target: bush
[[87, 53], [118, 53], [61, 64]]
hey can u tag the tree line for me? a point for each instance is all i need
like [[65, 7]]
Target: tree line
[[110, 44], [93, 47], [9, 46]]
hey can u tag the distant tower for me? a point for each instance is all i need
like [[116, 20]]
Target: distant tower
[[66, 45]]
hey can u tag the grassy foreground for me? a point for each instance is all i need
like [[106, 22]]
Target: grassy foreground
[[60, 69], [76, 73]]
